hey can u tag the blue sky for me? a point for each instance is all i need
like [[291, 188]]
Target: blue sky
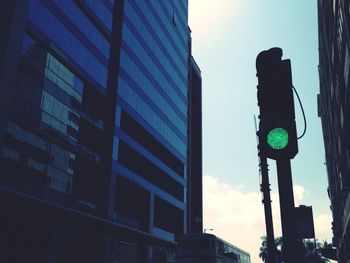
[[227, 35]]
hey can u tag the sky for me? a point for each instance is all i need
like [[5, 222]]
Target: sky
[[227, 35]]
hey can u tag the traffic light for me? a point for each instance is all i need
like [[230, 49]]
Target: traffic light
[[277, 128]]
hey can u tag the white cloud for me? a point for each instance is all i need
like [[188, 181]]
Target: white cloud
[[323, 224], [299, 192], [234, 215], [238, 216]]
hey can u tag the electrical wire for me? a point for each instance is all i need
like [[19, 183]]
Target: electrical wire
[[302, 110]]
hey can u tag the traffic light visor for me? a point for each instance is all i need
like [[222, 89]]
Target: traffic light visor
[[277, 138]]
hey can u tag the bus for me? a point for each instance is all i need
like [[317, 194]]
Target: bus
[[208, 248]]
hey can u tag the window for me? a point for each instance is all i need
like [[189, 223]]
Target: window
[[168, 217], [72, 133], [59, 180], [36, 165], [76, 36], [143, 137], [60, 171], [25, 136], [128, 156], [63, 78], [59, 113], [73, 118]]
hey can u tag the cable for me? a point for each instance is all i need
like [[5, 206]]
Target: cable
[[302, 110]]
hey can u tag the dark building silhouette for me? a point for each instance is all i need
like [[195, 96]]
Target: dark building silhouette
[[194, 190], [334, 110], [100, 131]]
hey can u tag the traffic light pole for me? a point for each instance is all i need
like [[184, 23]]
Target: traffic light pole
[[278, 137], [291, 244], [265, 189]]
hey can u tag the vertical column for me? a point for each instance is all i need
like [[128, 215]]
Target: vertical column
[[285, 187], [150, 226], [265, 189], [113, 72]]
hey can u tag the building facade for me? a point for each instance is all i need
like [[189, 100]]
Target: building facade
[[195, 184], [334, 110], [96, 159]]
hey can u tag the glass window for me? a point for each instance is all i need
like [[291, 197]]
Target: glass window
[[59, 180], [81, 23], [61, 169], [36, 165], [59, 116], [141, 135], [73, 119], [158, 44], [26, 136], [143, 86], [103, 12], [144, 65], [81, 51], [63, 118], [179, 9], [138, 104], [63, 78], [161, 23]]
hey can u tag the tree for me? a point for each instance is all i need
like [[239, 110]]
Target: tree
[[310, 250], [263, 249]]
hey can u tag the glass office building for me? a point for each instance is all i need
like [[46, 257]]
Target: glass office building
[[334, 111], [94, 130], [151, 111]]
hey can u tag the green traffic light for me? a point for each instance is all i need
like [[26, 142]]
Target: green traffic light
[[277, 138]]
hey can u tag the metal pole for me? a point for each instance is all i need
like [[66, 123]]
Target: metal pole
[[265, 189], [291, 245]]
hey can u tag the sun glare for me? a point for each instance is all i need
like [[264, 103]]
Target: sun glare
[[205, 15]]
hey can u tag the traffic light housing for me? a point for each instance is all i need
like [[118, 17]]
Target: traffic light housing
[[277, 128]]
